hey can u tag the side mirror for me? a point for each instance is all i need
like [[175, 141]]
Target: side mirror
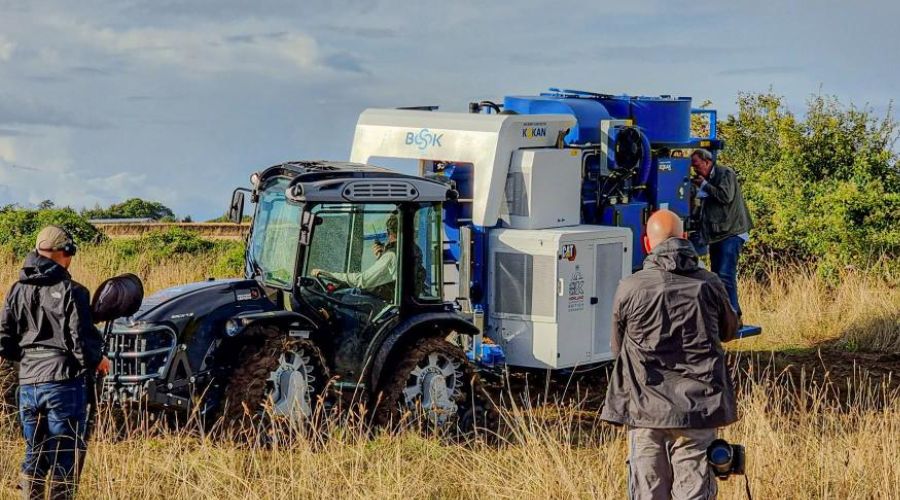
[[236, 210]]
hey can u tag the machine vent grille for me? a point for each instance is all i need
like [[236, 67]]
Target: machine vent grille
[[609, 271], [380, 191], [517, 194], [544, 286], [524, 284]]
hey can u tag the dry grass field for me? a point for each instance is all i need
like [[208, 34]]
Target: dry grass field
[[819, 398]]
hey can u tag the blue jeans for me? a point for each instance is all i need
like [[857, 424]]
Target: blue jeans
[[53, 416], [723, 257]]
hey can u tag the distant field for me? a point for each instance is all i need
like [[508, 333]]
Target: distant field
[[819, 398], [208, 230]]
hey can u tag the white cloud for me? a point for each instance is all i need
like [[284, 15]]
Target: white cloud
[[6, 48], [7, 151], [205, 48]]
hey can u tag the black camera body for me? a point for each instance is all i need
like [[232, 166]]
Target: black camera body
[[726, 459]]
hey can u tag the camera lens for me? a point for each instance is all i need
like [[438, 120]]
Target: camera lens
[[720, 455]]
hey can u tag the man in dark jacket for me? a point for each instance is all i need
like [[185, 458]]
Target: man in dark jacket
[[46, 327], [670, 383], [724, 218]]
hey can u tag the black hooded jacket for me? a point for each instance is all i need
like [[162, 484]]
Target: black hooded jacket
[[669, 321], [46, 325]]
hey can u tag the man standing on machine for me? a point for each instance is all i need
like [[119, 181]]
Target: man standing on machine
[[724, 219]]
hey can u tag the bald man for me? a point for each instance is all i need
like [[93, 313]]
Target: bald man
[[670, 384]]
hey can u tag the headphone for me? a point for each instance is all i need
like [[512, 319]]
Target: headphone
[[69, 249]]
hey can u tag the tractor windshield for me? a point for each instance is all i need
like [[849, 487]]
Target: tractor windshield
[[276, 234]]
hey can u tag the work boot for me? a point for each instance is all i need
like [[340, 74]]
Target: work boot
[[32, 487], [62, 489]]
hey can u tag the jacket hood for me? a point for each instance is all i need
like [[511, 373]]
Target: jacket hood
[[673, 255], [39, 270]]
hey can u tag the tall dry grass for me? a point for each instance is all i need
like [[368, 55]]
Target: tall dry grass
[[800, 446], [803, 441], [94, 264], [798, 309]]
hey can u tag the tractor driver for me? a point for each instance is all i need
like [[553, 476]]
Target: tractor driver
[[379, 278]]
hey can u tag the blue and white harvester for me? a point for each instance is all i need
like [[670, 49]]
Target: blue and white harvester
[[555, 192]]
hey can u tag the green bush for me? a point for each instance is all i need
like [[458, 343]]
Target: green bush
[[823, 189], [134, 208], [157, 246], [164, 243], [176, 240], [19, 227], [231, 261]]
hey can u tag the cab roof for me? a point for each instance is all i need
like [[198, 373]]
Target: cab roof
[[332, 181]]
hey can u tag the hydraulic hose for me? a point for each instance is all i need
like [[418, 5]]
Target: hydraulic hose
[[646, 160]]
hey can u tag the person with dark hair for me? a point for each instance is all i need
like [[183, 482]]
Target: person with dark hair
[[46, 327], [724, 219], [669, 383]]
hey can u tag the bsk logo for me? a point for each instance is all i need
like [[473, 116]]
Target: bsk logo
[[424, 139]]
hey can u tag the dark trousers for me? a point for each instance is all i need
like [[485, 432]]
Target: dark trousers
[[53, 416], [723, 257]]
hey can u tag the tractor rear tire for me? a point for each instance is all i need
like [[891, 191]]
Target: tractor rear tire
[[9, 386], [407, 393], [249, 391]]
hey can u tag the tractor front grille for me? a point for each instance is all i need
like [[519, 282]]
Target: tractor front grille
[[138, 354]]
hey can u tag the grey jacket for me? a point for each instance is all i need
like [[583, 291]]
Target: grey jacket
[[46, 325], [669, 320], [724, 211]]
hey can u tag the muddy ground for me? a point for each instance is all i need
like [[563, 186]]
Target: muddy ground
[[843, 379]]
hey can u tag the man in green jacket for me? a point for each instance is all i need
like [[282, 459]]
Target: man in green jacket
[[724, 220]]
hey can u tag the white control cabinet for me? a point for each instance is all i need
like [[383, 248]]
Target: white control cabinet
[[551, 293], [542, 189]]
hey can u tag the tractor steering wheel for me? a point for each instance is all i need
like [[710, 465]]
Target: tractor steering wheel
[[327, 282]]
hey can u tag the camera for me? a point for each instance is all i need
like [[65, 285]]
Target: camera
[[725, 459]]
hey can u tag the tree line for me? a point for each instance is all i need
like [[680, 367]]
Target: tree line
[[823, 188]]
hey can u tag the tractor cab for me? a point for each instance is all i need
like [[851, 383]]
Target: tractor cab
[[355, 247], [362, 238]]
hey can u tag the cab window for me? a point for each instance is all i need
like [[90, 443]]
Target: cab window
[[276, 235]]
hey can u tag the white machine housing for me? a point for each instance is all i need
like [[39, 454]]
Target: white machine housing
[[487, 142], [551, 293], [539, 189]]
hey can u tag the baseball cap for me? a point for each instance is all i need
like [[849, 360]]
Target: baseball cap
[[53, 238]]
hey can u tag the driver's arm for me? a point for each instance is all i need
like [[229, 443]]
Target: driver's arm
[[382, 271]]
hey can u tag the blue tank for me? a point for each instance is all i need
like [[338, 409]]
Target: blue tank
[[664, 119], [619, 106], [588, 112]]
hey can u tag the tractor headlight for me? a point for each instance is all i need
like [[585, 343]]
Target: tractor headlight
[[233, 327]]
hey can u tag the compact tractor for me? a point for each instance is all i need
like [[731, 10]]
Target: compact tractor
[[500, 247], [342, 294]]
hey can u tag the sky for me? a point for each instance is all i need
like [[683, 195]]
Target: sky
[[179, 101]]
